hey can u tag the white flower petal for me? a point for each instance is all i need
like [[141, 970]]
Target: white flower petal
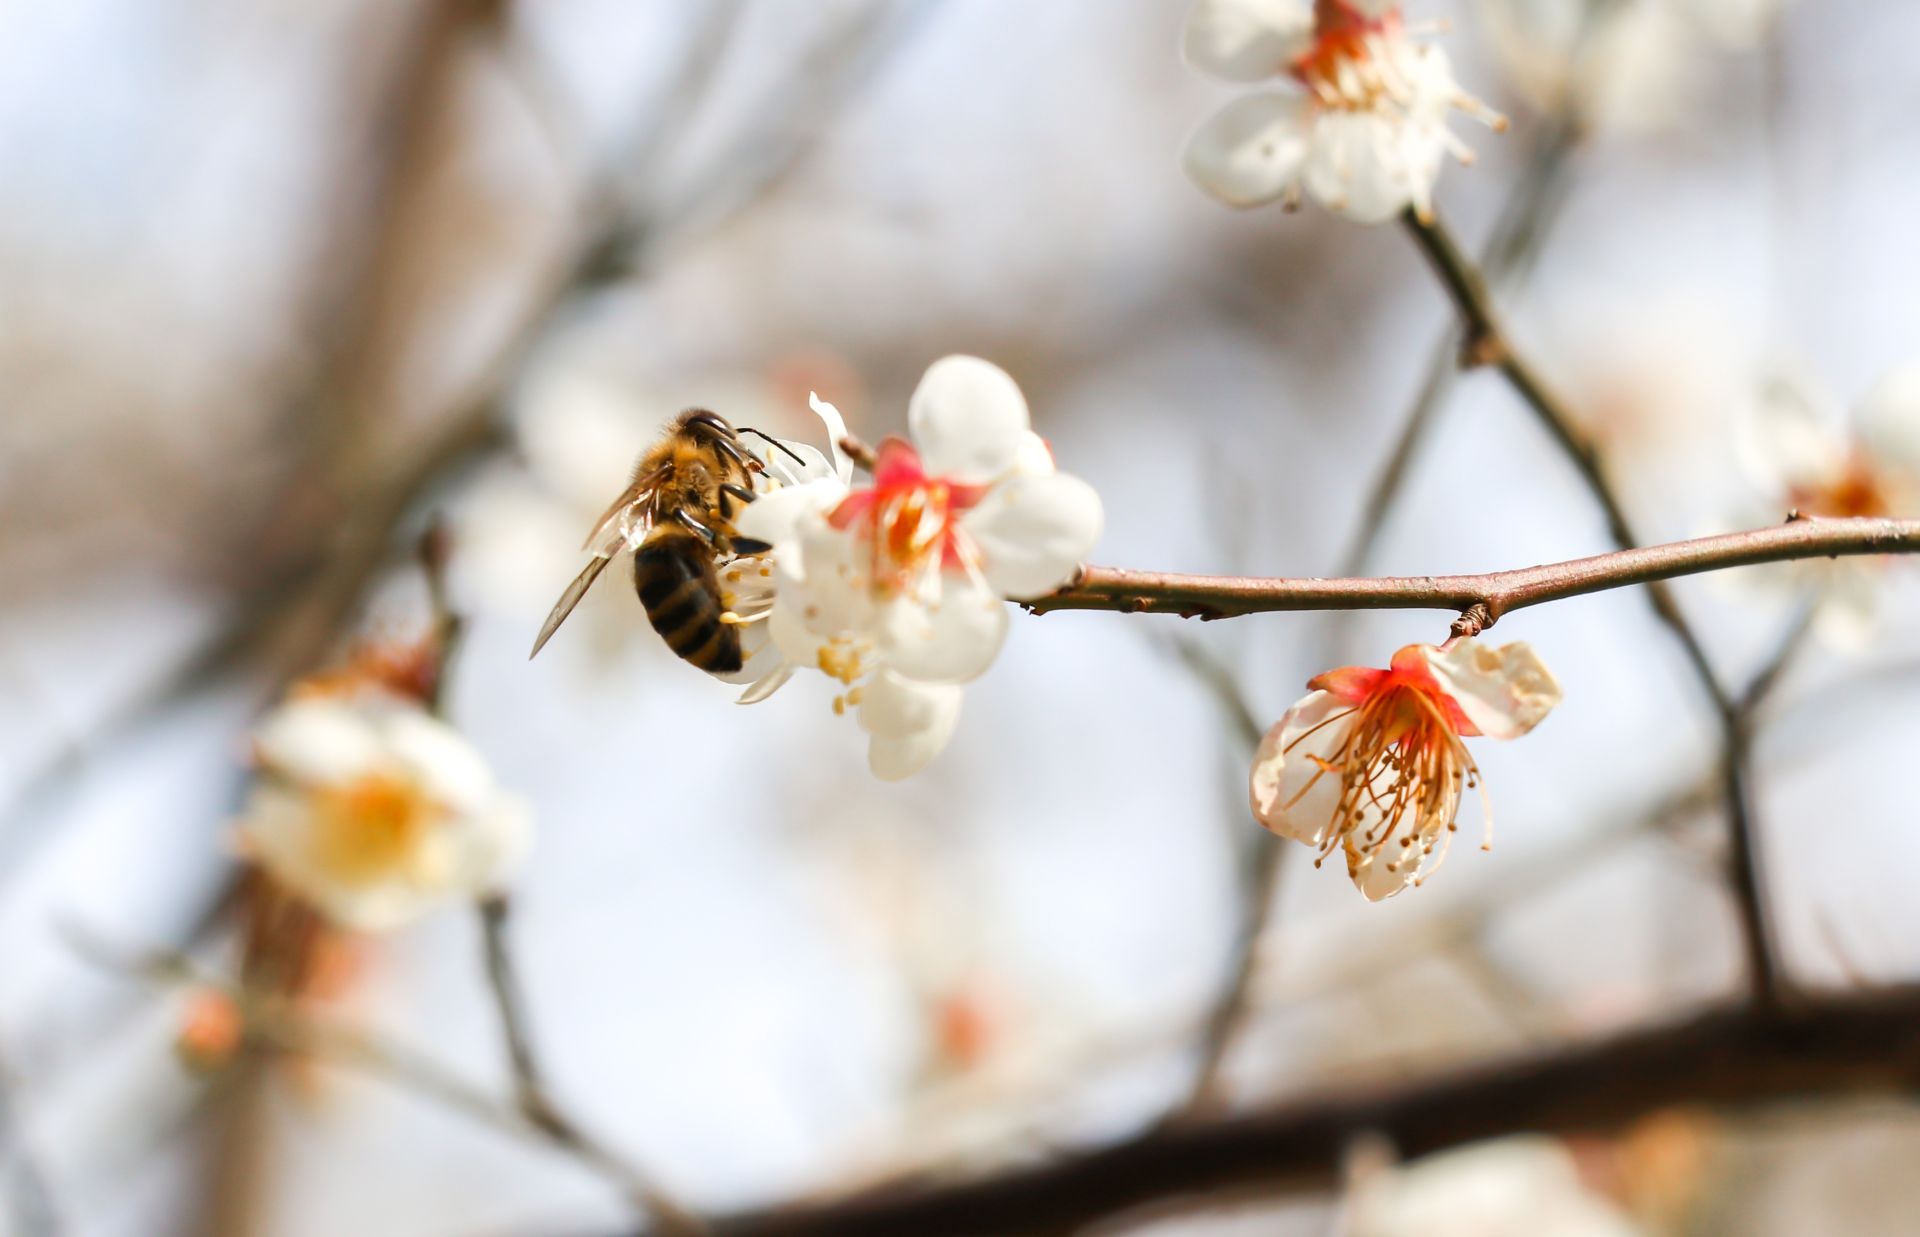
[[909, 723], [1291, 795], [791, 636], [439, 759], [836, 430], [775, 518], [838, 596], [1504, 691], [759, 657], [1386, 872], [1791, 441], [1848, 615], [1369, 167], [949, 638], [488, 844], [317, 742], [1034, 532], [1888, 420], [1247, 40], [764, 687], [1035, 458], [1251, 151], [968, 420]]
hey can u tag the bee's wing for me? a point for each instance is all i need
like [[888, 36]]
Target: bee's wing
[[630, 513], [568, 600]]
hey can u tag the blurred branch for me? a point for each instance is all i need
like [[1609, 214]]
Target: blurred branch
[[1741, 1058], [1486, 343], [1481, 600], [531, 1099]]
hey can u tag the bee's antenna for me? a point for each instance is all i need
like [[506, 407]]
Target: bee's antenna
[[779, 446]]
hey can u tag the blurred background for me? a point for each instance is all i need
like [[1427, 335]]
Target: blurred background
[[282, 281]]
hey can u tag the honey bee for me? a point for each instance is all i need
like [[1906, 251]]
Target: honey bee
[[678, 515]]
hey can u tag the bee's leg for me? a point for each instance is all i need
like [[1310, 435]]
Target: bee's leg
[[777, 445], [740, 492], [701, 530]]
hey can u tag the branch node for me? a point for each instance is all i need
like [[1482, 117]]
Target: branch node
[[1473, 620], [857, 451], [1482, 348]]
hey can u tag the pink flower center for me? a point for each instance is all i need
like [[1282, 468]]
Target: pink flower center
[[1341, 68], [908, 521], [1858, 490], [1402, 765]]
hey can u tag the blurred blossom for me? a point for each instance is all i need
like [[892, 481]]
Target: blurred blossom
[[897, 589], [1372, 762], [211, 1028], [1647, 379], [1365, 128], [1630, 66], [1515, 1187], [1804, 456], [374, 810]]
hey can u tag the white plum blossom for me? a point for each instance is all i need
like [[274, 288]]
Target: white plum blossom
[[898, 589], [374, 810], [1372, 763], [1363, 127], [1804, 457]]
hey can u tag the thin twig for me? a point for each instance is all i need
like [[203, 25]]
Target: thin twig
[[1511, 246], [1487, 342], [273, 1024], [1480, 599], [532, 1100]]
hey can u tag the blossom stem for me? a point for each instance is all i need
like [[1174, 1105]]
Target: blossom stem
[[1485, 598], [1487, 343]]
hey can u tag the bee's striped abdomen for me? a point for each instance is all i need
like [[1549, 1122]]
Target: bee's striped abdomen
[[674, 576]]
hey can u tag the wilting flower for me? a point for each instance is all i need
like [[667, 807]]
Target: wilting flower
[[1805, 459], [1373, 763], [374, 810], [897, 589], [1365, 128]]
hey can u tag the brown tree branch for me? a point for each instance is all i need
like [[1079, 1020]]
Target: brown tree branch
[[1750, 1056], [1481, 599]]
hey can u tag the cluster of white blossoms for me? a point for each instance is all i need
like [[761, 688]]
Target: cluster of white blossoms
[[1372, 763], [374, 810], [1805, 457], [1363, 127], [898, 589]]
